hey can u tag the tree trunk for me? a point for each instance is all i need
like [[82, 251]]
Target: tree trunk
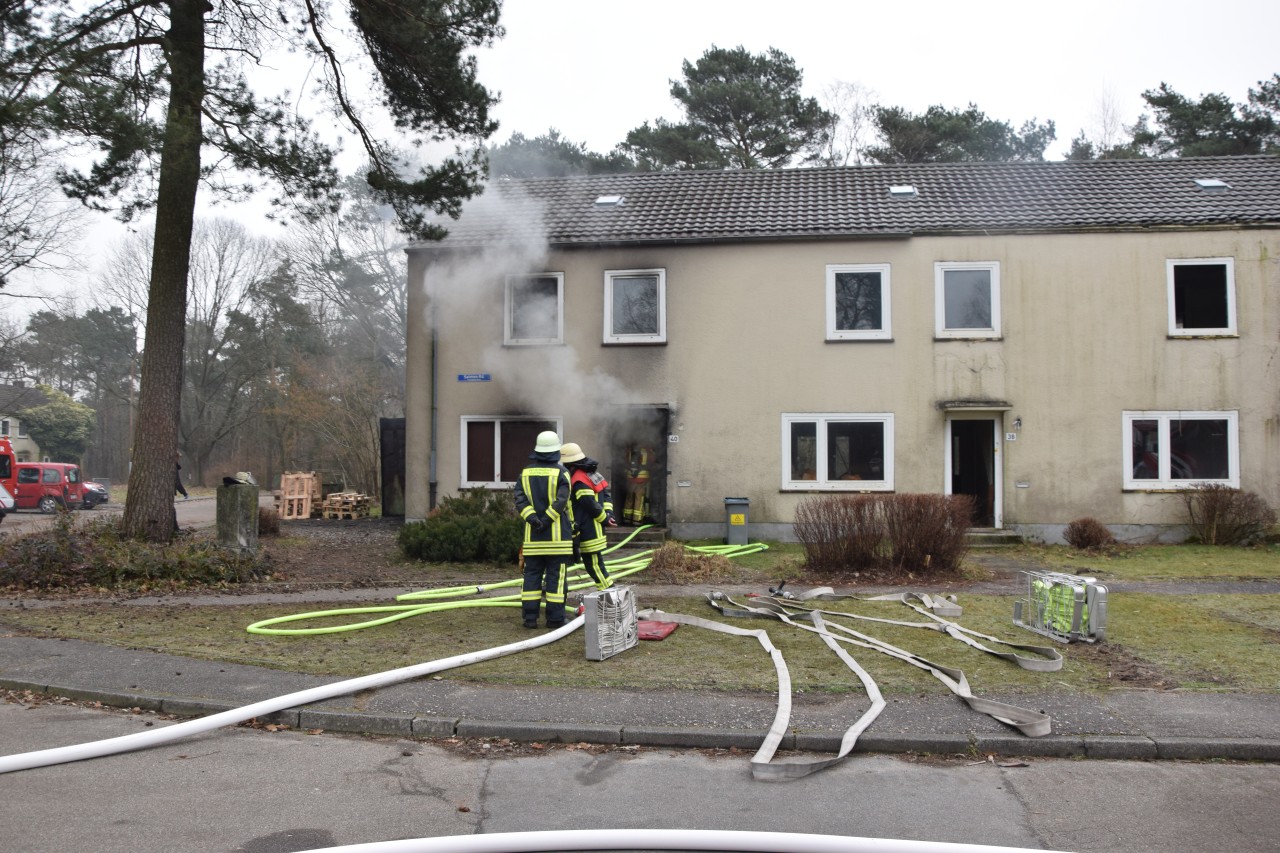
[[149, 512]]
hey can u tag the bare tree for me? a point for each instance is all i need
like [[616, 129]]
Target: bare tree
[[850, 106]]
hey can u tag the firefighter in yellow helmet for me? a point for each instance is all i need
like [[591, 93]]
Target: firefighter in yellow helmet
[[592, 511], [639, 460], [542, 500]]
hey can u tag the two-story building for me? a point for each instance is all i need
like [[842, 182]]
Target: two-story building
[[14, 399], [1057, 340]]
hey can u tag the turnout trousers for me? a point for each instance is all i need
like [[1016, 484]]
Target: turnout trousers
[[543, 579]]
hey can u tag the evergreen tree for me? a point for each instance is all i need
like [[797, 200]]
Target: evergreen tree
[[941, 135]]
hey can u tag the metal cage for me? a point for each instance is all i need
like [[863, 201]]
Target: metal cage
[[1065, 607]]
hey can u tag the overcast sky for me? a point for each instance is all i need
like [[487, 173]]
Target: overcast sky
[[595, 69]]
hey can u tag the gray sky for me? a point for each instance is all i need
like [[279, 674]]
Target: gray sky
[[595, 69]]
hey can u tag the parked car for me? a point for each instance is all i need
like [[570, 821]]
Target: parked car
[[95, 494], [6, 501], [48, 486]]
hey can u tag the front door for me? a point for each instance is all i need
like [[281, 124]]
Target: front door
[[638, 468], [974, 465]]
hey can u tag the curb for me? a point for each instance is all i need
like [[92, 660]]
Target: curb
[[1114, 747]]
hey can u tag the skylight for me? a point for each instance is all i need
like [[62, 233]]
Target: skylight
[[609, 201], [903, 191], [1212, 185]]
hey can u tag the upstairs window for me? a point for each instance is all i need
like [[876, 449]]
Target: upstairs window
[[1178, 450], [858, 302], [837, 452], [1202, 297], [635, 306], [967, 300], [534, 309], [496, 449], [4, 426]]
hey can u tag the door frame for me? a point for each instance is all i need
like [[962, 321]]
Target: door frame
[[996, 417]]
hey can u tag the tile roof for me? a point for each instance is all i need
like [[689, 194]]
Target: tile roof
[[16, 398], [819, 203]]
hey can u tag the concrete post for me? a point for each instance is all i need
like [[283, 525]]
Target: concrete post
[[238, 517]]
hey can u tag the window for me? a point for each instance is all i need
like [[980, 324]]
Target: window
[[1202, 297], [635, 307], [22, 431], [28, 476], [836, 452], [4, 426], [967, 300], [534, 309], [858, 302], [494, 450], [1176, 450]]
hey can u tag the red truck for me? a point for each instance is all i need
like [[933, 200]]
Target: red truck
[[46, 486]]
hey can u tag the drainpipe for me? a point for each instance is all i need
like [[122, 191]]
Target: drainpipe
[[432, 482]]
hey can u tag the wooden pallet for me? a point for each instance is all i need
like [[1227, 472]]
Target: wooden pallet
[[346, 505], [299, 495]]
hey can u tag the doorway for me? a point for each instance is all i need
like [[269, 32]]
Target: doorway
[[974, 465], [638, 465]]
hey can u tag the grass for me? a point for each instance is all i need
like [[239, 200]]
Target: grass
[[1159, 562]]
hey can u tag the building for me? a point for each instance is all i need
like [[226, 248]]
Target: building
[[1058, 340], [14, 399]]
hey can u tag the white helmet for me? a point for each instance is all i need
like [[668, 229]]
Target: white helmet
[[571, 453], [548, 442]]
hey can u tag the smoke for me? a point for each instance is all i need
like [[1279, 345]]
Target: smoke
[[467, 290]]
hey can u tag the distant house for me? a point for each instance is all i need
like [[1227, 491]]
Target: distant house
[[14, 399], [1057, 340]]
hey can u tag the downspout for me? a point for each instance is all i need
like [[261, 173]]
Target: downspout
[[432, 483]]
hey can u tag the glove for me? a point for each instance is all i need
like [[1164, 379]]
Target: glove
[[537, 523]]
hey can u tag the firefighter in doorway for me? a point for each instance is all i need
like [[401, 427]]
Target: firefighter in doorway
[[542, 500], [592, 511], [639, 460]]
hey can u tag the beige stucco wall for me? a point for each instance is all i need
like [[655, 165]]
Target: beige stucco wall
[[1084, 338]]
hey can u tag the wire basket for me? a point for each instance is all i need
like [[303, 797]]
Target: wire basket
[[611, 623], [1065, 607]]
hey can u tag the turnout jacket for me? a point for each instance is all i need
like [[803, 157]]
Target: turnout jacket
[[543, 492], [592, 506]]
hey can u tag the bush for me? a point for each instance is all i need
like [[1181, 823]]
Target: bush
[[94, 554], [1088, 534], [1221, 515], [479, 526], [914, 533]]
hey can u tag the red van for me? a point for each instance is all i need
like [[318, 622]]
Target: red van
[[47, 486]]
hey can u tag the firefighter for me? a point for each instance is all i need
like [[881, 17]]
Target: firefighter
[[542, 500], [639, 460], [592, 511]]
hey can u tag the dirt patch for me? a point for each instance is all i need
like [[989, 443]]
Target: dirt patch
[[1122, 668]]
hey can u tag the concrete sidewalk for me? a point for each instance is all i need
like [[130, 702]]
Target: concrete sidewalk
[[1130, 724]]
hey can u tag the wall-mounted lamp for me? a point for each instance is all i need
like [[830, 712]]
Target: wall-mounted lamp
[[1017, 424]]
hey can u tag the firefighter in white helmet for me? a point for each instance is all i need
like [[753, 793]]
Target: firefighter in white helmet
[[542, 500], [592, 511]]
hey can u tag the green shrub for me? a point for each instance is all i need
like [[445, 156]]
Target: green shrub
[[479, 526], [94, 554]]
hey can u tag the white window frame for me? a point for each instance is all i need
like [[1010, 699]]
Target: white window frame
[[822, 420], [1170, 266], [508, 331], [1165, 481], [940, 269], [4, 426], [496, 420], [660, 337], [885, 332]]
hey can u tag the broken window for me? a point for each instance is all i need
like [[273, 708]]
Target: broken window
[[1202, 298], [535, 309], [1176, 450], [635, 306], [838, 452], [967, 297], [858, 302]]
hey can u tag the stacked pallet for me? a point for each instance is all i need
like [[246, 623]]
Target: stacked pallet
[[299, 495], [346, 505]]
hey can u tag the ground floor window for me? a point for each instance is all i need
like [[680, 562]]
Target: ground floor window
[[495, 449], [837, 452], [1176, 450]]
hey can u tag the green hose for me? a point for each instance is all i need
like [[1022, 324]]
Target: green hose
[[573, 582]]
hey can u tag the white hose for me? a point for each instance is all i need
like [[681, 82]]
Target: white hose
[[155, 737], [661, 839]]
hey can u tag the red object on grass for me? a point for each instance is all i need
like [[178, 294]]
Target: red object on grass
[[651, 630]]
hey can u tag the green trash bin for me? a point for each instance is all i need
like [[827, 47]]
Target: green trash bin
[[736, 512]]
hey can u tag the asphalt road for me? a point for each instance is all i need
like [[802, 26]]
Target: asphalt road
[[262, 792], [198, 512]]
